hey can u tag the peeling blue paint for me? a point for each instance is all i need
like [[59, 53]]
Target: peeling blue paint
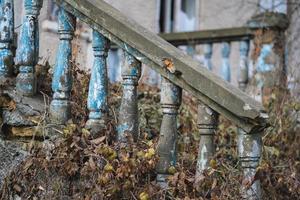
[[226, 72], [62, 78], [6, 37], [243, 67], [27, 51], [170, 101], [208, 51], [262, 64], [98, 91], [128, 117]]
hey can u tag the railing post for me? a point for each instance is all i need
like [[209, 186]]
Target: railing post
[[226, 72], [243, 72], [207, 124], [208, 50], [98, 91], [6, 37], [170, 102], [249, 147], [28, 48], [60, 108], [128, 117]]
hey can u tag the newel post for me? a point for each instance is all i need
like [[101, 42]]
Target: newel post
[[226, 71], [167, 152], [98, 91], [270, 55], [60, 108], [28, 48], [128, 116], [6, 37]]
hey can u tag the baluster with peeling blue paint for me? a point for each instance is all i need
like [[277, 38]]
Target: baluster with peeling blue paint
[[128, 116], [60, 108], [6, 37], [170, 102], [208, 50], [226, 72], [243, 72], [28, 48], [98, 91], [207, 124]]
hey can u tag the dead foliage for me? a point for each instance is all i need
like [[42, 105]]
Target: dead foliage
[[79, 167]]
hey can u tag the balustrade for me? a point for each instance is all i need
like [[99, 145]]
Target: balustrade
[[139, 46]]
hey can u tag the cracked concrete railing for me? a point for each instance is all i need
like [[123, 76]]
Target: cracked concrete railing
[[178, 70]]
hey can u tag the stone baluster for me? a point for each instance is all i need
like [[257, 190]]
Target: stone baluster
[[6, 37], [226, 72], [207, 124], [208, 50], [249, 148], [28, 48], [98, 91], [60, 108], [170, 101], [128, 117], [243, 73]]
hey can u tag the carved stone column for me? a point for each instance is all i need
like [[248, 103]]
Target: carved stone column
[[60, 108], [170, 101], [128, 117], [243, 72], [249, 147], [6, 37], [226, 72], [208, 50], [28, 48], [207, 123], [98, 91]]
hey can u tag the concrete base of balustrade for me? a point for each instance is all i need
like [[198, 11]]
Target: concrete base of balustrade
[[95, 126], [24, 126]]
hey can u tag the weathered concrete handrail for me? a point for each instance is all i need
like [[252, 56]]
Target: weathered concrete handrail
[[209, 36], [154, 51]]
